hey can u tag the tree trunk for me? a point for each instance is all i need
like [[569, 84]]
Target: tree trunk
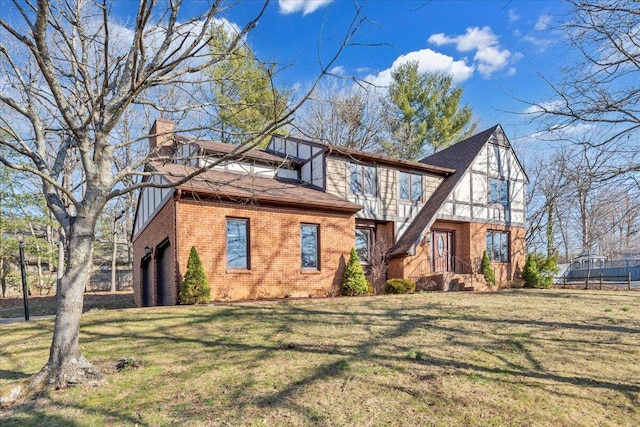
[[66, 366], [3, 277]]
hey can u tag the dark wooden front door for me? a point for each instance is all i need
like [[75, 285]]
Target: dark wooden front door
[[164, 278], [147, 299], [442, 250]]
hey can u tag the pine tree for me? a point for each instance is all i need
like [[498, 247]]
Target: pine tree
[[195, 286], [354, 281], [486, 269], [425, 114], [530, 272]]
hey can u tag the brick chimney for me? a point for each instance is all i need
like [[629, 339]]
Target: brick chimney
[[161, 137]]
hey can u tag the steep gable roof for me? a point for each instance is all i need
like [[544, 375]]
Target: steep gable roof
[[459, 156]]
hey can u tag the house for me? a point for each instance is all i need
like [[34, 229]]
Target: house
[[280, 222]]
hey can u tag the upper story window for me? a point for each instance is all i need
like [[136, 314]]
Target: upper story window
[[499, 192], [309, 246], [410, 187], [362, 179], [238, 243]]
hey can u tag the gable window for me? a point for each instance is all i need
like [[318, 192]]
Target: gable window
[[238, 243], [362, 179], [309, 246], [363, 244], [410, 187], [498, 246], [499, 192]]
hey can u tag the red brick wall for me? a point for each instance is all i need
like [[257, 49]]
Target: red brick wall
[[274, 235], [470, 242], [156, 232]]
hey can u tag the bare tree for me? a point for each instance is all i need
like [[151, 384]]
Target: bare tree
[[69, 76], [600, 91], [343, 116]]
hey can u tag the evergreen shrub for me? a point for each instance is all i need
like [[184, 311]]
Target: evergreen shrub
[[399, 286], [355, 283], [194, 289]]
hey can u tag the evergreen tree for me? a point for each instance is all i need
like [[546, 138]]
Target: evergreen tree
[[355, 283], [243, 91], [538, 271], [424, 111], [487, 270], [195, 286]]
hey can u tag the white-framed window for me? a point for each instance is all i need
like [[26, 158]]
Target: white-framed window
[[410, 187], [310, 246]]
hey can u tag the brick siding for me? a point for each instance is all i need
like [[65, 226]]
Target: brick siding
[[274, 234]]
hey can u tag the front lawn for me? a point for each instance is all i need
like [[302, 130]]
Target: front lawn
[[521, 358]]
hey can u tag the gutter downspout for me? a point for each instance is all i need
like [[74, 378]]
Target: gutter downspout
[[176, 200]]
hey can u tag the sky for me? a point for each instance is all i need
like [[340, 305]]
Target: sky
[[498, 51]]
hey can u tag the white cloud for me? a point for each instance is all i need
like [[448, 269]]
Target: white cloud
[[541, 44], [543, 22], [338, 70], [542, 107], [304, 6], [489, 54], [428, 61], [513, 16]]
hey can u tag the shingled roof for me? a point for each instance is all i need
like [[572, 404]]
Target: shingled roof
[[459, 157], [255, 189]]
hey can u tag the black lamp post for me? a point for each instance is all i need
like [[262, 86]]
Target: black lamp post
[[25, 292]]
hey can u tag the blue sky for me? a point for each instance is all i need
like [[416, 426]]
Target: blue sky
[[494, 49]]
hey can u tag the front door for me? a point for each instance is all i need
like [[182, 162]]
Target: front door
[[442, 250]]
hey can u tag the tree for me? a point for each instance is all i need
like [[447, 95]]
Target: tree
[[600, 91], [539, 270], [70, 77], [243, 89], [354, 283], [194, 289], [487, 270], [424, 111], [349, 117]]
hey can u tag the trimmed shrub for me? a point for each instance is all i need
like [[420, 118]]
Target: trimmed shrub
[[194, 289], [355, 283], [399, 286], [487, 270], [539, 270]]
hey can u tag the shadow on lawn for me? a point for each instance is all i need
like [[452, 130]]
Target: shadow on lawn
[[375, 328]]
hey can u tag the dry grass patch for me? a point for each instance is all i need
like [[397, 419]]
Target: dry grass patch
[[526, 357]]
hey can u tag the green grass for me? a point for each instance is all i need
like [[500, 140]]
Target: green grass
[[522, 357], [46, 305]]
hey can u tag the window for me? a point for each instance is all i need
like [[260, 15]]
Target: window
[[238, 243], [363, 179], [498, 246], [499, 192], [410, 187], [309, 246], [363, 243]]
